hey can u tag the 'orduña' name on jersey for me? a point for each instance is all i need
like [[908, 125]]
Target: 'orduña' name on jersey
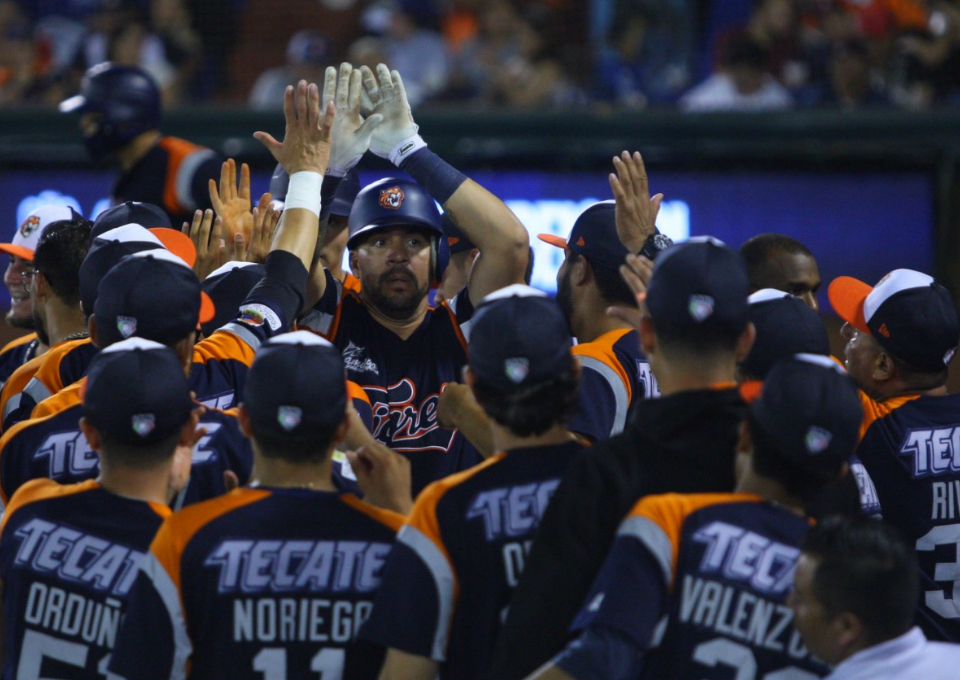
[[252, 566], [74, 556]]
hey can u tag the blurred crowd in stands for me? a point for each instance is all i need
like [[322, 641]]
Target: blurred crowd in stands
[[698, 55]]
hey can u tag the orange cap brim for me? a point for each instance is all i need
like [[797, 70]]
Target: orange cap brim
[[19, 251], [846, 295], [553, 240], [207, 309], [177, 243], [751, 390]]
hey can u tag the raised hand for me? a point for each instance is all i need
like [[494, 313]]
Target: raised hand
[[207, 236], [386, 92], [636, 272], [265, 223], [636, 212], [306, 138], [232, 203], [383, 476], [351, 134]]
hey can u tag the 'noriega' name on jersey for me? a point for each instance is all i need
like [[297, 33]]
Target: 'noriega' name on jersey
[[261, 569]]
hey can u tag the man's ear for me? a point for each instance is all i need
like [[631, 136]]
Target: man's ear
[[92, 330], [354, 263], [648, 336], [243, 420], [91, 434], [848, 630], [41, 286], [745, 342], [188, 433], [884, 367], [582, 273]]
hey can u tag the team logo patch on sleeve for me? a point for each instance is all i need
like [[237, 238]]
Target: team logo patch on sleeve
[[289, 417], [29, 225], [391, 198], [257, 315], [143, 423], [127, 325]]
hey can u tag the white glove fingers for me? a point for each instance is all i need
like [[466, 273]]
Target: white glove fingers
[[365, 131], [370, 88], [343, 85], [400, 90], [386, 82], [355, 88], [329, 85]]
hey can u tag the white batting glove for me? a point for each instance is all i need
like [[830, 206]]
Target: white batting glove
[[397, 137], [351, 135]]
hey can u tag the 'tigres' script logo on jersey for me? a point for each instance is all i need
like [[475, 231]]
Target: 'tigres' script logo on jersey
[[250, 566], [933, 451], [744, 555], [74, 556], [355, 362], [400, 421], [512, 511]]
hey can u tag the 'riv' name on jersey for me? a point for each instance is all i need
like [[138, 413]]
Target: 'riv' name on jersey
[[251, 566], [73, 556]]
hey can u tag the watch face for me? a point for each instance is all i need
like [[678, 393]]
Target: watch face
[[661, 241]]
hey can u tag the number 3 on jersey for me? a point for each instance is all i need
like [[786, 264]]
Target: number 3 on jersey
[[272, 662]]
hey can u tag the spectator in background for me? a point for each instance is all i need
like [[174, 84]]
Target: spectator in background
[[307, 55], [647, 58], [183, 49], [741, 84], [854, 597], [852, 84], [411, 45]]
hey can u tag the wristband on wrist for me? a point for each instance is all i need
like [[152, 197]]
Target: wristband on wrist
[[655, 244], [439, 178], [406, 148], [304, 191], [328, 192]]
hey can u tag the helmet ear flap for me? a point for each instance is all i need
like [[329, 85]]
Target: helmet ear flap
[[439, 257]]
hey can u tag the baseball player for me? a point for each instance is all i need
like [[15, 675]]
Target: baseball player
[[21, 350], [696, 585], [696, 332], [901, 335], [52, 444], [120, 119], [461, 551], [54, 290], [69, 554], [251, 582], [398, 348], [782, 262]]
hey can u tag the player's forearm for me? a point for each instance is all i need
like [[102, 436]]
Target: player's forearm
[[474, 424]]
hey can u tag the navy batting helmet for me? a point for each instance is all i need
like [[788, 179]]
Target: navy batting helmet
[[393, 202], [126, 97]]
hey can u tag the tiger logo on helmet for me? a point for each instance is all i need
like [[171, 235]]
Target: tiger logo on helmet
[[391, 198], [29, 226]]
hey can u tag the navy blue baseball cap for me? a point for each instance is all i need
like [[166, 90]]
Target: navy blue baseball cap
[[130, 212], [152, 294], [392, 202], [136, 391], [594, 235], [785, 326], [700, 283], [105, 252], [810, 409], [228, 286], [457, 241], [296, 386], [519, 339]]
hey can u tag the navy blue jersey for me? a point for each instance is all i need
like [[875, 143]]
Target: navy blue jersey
[[403, 378], [54, 447], [16, 353], [68, 559], [460, 555], [698, 584], [615, 375], [911, 450], [258, 581]]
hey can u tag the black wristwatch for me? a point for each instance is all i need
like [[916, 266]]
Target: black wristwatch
[[655, 244]]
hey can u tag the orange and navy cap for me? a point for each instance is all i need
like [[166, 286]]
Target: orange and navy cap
[[907, 312], [594, 235], [28, 234], [151, 294]]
